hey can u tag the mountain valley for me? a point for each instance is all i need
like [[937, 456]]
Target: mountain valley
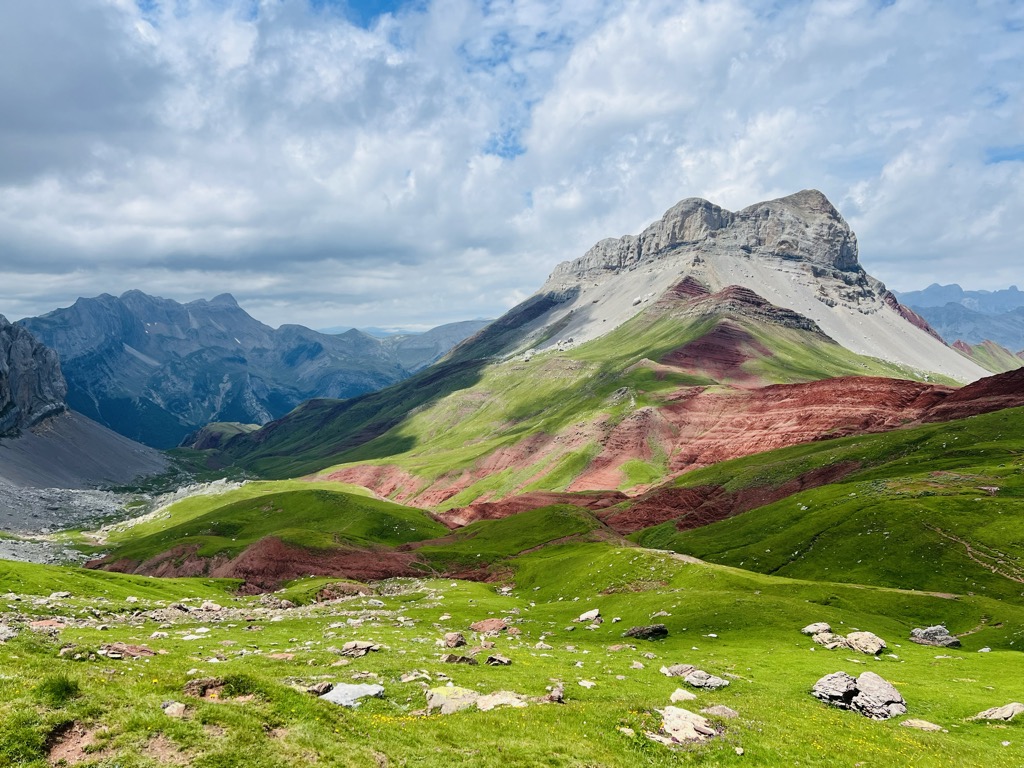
[[539, 542]]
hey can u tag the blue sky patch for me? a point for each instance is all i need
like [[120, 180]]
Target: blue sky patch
[[1013, 153]]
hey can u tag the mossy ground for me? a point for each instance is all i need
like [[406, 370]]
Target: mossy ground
[[264, 719]]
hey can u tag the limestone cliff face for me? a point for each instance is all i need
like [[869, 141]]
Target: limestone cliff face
[[801, 227], [31, 384], [796, 252]]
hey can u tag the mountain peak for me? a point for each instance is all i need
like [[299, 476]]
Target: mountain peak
[[224, 300]]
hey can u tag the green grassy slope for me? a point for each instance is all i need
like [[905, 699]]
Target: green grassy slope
[[264, 719], [991, 356], [454, 414], [939, 507], [310, 517]]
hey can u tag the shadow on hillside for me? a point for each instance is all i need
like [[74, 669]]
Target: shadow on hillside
[[320, 433]]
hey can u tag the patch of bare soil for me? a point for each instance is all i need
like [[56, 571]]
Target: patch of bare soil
[[164, 751], [71, 744]]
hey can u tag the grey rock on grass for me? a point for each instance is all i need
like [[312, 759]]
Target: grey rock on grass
[[350, 694], [938, 636]]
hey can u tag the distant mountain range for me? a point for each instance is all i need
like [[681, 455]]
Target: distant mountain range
[[156, 370], [972, 317]]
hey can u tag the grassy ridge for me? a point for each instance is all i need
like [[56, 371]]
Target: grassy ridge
[[939, 507], [311, 517]]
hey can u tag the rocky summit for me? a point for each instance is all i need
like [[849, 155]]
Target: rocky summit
[[796, 252]]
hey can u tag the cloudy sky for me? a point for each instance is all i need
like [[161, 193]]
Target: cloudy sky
[[389, 163]]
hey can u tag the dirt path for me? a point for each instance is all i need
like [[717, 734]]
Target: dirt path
[[982, 558]]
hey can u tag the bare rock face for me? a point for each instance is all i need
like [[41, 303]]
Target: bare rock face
[[801, 227], [869, 694], [31, 384]]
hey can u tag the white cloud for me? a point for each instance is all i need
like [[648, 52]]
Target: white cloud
[[437, 164]]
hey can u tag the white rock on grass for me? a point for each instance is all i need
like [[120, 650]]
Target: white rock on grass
[[817, 628], [681, 694], [350, 694], [449, 699], [866, 642]]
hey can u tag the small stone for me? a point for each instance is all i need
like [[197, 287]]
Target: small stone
[[986, 649], [209, 605], [131, 599], [589, 616], [636, 665], [587, 683], [555, 694], [921, 725], [542, 646], [451, 658], [681, 694], [174, 709], [454, 640], [319, 689], [497, 660], [626, 731]]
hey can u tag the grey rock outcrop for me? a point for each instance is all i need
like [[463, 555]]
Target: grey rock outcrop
[[869, 694], [866, 642], [938, 636], [681, 726], [31, 384], [701, 679], [649, 632]]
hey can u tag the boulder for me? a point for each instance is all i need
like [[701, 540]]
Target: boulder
[[937, 636], [701, 679], [454, 640], [449, 699], [649, 632], [350, 694], [681, 726], [866, 642], [589, 616], [488, 626], [1006, 712], [357, 648], [497, 660], [877, 698], [869, 694], [7, 633], [817, 628], [830, 640]]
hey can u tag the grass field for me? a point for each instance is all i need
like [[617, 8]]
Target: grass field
[[264, 719]]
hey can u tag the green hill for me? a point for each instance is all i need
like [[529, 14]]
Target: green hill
[[939, 507]]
